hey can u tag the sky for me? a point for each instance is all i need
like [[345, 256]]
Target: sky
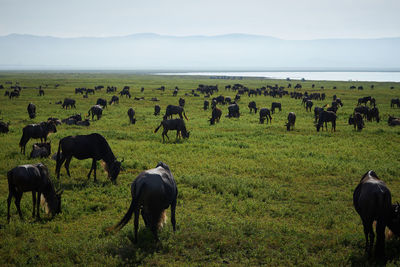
[[291, 20]]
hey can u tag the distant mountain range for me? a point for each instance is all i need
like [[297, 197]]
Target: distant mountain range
[[149, 51]]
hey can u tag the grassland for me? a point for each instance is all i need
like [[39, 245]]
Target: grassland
[[249, 194]]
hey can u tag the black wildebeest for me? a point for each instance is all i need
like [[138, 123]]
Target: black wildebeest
[[171, 109], [291, 121], [41, 92], [265, 114], [309, 105], [153, 191], [13, 94], [35, 178], [252, 106], [233, 111], [114, 99], [206, 104], [325, 117], [373, 114], [392, 121], [395, 102], [131, 115], [95, 110], [56, 121], [31, 110], [101, 102], [275, 105], [181, 102], [92, 146], [125, 93], [85, 122], [4, 127], [36, 131], [215, 115], [68, 102], [157, 110], [90, 91], [373, 202], [175, 124], [41, 150], [357, 120], [362, 110]]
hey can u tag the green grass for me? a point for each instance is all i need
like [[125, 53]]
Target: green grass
[[249, 193]]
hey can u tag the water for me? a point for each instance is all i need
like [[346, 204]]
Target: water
[[312, 75]]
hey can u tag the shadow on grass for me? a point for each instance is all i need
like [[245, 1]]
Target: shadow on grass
[[392, 251]]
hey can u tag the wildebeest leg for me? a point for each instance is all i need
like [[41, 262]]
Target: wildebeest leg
[[380, 238], [38, 204], [173, 221], [34, 203], [369, 233], [59, 164], [18, 197], [136, 223], [334, 126], [67, 165], [10, 195], [94, 166]]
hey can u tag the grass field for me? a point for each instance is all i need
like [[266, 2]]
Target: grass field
[[249, 193]]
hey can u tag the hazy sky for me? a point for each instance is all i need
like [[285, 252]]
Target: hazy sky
[[287, 19]]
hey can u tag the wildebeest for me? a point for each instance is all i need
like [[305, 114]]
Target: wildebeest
[[153, 191], [131, 115], [215, 115], [174, 124], [56, 121], [92, 146], [265, 114], [233, 111], [36, 131], [181, 102], [95, 110], [85, 122], [101, 102], [392, 121], [171, 109], [13, 94], [125, 93], [90, 91], [114, 99], [357, 120], [252, 106], [31, 110], [71, 120], [395, 102], [275, 105], [4, 127], [68, 102], [291, 121], [157, 110], [6, 93], [41, 92], [325, 117], [373, 202], [362, 110], [35, 178], [373, 114], [309, 105], [41, 150], [206, 104]]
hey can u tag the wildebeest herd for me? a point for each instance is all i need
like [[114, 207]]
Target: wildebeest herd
[[154, 190]]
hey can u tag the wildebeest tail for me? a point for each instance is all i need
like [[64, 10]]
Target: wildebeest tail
[[158, 127], [23, 141], [124, 220], [58, 152]]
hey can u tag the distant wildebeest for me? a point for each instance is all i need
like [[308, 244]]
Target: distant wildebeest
[[157, 110], [325, 117], [275, 105], [56, 121], [357, 120], [13, 94], [41, 92], [142, 89], [85, 122], [171, 109], [96, 110], [252, 106], [71, 120], [35, 178], [131, 115], [364, 100], [31, 110], [101, 102], [373, 202], [373, 114], [80, 90], [364, 110], [182, 102], [215, 115], [155, 99], [90, 91], [220, 99], [392, 121], [68, 102], [41, 150], [233, 111], [291, 121], [228, 100], [6, 93], [92, 146], [395, 102], [309, 105], [58, 102], [265, 114], [174, 124], [125, 93], [139, 98], [4, 127], [153, 191], [36, 131], [175, 92], [114, 99], [206, 104]]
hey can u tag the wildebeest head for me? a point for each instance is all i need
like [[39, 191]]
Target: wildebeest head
[[318, 127], [114, 170], [351, 120]]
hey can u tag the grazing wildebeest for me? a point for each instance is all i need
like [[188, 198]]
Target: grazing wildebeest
[[153, 191], [325, 117], [364, 100], [36, 131], [85, 122], [90, 91], [125, 93], [41, 92], [252, 106], [131, 115], [171, 109], [265, 114], [157, 110], [96, 110], [309, 105], [13, 94], [35, 178], [206, 104], [42, 150], [373, 114], [357, 120], [215, 115], [233, 111], [373, 202], [92, 146], [68, 102], [181, 102], [392, 121], [4, 127], [362, 110], [6, 93], [395, 101], [275, 105], [101, 102], [175, 124], [291, 121], [114, 99], [31, 110]]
